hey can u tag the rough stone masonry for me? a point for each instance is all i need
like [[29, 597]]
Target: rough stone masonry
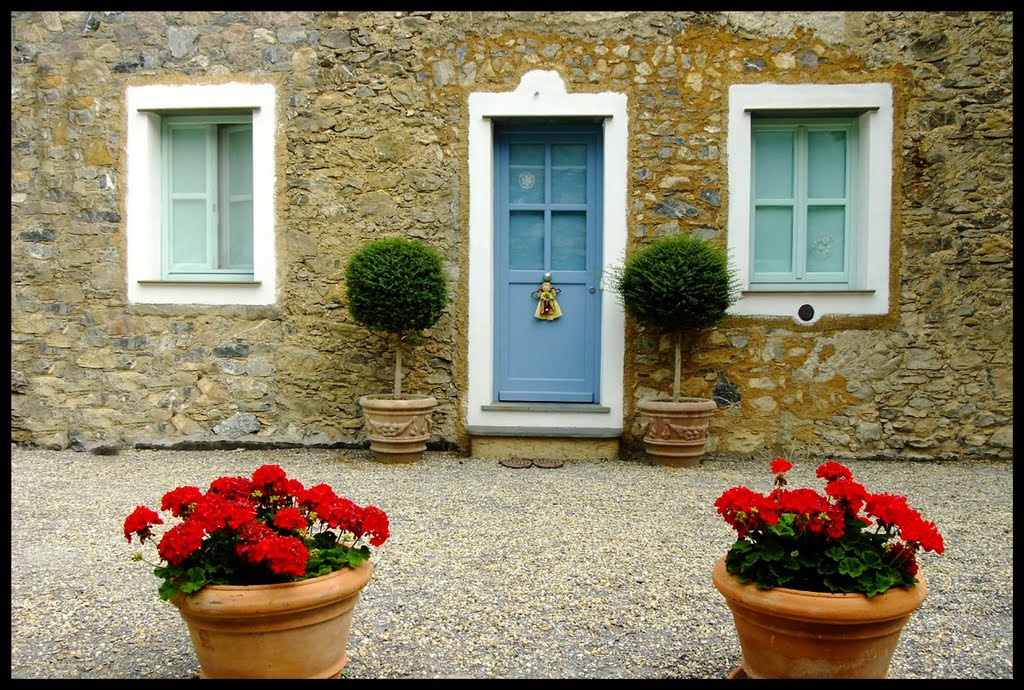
[[373, 139]]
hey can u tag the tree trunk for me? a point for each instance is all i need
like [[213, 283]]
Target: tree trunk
[[679, 357], [398, 366]]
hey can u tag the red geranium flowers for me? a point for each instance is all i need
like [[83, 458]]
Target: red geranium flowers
[[845, 540], [254, 531]]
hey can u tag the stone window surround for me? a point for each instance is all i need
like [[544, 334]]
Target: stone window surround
[[142, 183], [543, 94], [873, 204]]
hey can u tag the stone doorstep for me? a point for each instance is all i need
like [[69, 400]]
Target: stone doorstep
[[549, 448]]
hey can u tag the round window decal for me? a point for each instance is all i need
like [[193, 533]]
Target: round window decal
[[526, 180]]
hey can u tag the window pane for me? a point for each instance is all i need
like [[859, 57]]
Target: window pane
[[526, 240], [188, 234], [238, 252], [773, 239], [188, 160], [526, 174], [569, 173], [773, 165], [236, 197], [826, 165], [826, 238], [239, 147], [569, 241]]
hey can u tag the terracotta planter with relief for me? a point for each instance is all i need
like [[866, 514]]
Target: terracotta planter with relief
[[288, 630], [789, 633], [675, 433], [398, 426]]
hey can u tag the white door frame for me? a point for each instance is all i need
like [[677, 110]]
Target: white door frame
[[542, 94]]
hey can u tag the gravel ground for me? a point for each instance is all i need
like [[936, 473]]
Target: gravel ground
[[597, 569]]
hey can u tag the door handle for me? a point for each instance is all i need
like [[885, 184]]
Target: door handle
[[592, 289]]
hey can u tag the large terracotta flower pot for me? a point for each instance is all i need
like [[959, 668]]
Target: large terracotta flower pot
[[789, 633], [398, 427], [676, 431], [289, 630]]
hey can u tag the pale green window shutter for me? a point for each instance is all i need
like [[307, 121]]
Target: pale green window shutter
[[803, 201], [827, 201], [236, 197], [774, 203], [207, 197], [189, 192]]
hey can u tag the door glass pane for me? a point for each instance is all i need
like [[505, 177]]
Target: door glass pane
[[188, 160], [773, 165], [526, 240], [826, 238], [826, 165], [568, 173], [526, 174], [773, 239], [569, 241], [188, 238]]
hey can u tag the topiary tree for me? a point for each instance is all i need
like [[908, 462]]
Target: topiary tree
[[397, 286], [676, 284]]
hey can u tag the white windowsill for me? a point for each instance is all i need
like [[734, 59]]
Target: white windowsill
[[228, 283], [804, 291]]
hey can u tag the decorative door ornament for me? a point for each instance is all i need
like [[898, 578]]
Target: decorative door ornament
[[547, 305]]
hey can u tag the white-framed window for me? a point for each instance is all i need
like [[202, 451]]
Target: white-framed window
[[810, 198], [200, 194]]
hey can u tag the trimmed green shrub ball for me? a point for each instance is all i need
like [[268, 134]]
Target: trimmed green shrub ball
[[677, 283], [396, 285]]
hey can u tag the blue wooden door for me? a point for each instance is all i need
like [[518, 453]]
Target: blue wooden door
[[547, 225]]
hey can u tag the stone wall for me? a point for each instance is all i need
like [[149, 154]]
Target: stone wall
[[372, 134]]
